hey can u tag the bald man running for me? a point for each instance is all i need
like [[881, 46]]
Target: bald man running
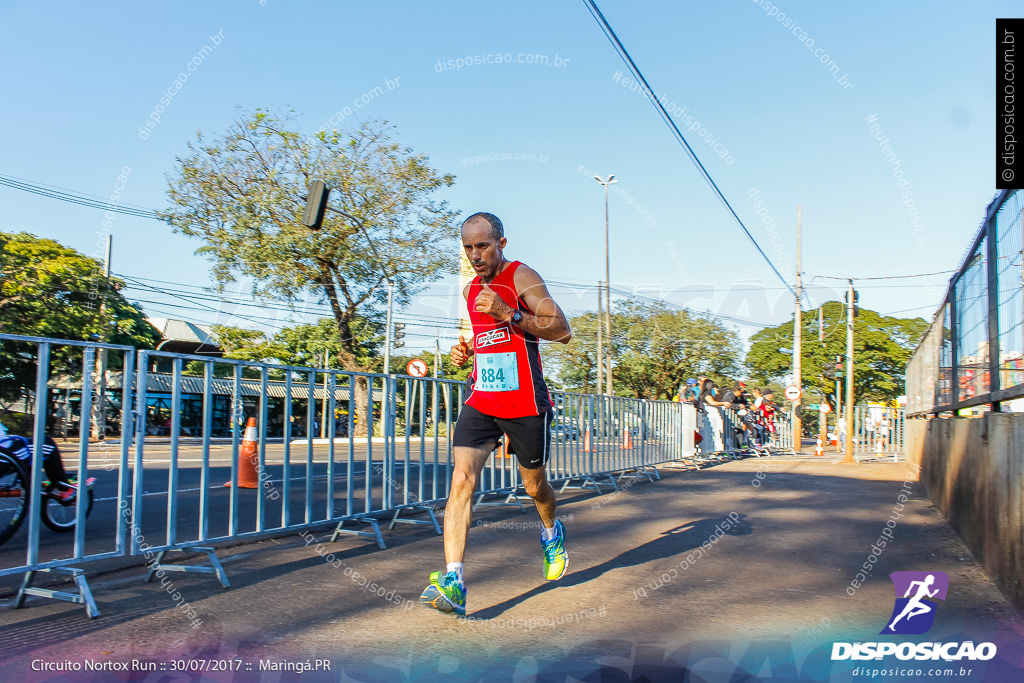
[[511, 311]]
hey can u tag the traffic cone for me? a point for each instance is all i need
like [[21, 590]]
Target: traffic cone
[[818, 450], [586, 442], [627, 439], [248, 459], [503, 448]]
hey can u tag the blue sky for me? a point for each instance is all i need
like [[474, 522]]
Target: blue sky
[[524, 139]]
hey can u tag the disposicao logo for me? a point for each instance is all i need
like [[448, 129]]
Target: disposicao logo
[[913, 613]]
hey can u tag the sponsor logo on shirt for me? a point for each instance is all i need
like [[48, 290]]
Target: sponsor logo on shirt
[[493, 337]]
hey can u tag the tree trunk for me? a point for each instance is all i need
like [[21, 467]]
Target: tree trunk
[[364, 408], [347, 357]]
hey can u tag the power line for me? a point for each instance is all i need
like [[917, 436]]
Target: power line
[[635, 70], [274, 304], [886, 277], [71, 197]]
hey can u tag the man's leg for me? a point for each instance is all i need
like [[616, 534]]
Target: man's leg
[[537, 487], [552, 539], [447, 591], [458, 511]]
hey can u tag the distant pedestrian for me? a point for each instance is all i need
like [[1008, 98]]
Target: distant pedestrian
[[737, 400], [757, 416], [688, 393], [769, 411], [714, 416]]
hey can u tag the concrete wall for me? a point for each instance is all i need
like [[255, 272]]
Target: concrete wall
[[973, 470]]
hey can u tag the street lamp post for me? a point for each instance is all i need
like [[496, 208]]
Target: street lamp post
[[607, 281]]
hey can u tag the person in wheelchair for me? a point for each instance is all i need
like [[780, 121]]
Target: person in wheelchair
[[20, 448]]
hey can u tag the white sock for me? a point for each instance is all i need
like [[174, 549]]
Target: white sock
[[547, 534], [457, 568]]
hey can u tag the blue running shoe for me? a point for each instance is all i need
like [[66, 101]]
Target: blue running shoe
[[445, 593], [556, 560]]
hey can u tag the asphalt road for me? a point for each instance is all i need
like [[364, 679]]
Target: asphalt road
[[772, 591]]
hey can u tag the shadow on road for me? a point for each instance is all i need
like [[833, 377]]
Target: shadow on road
[[673, 542]]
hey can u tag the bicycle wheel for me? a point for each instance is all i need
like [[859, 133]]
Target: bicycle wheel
[[13, 497], [60, 515]]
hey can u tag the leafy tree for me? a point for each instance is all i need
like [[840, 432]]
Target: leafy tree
[[654, 349], [573, 366], [881, 348], [308, 345], [242, 193], [49, 290], [657, 348]]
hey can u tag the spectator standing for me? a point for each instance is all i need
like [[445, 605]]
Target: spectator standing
[[714, 416]]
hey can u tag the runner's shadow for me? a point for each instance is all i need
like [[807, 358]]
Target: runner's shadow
[[673, 542]]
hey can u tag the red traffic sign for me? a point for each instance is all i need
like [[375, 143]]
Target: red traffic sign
[[825, 408], [416, 368], [793, 392]]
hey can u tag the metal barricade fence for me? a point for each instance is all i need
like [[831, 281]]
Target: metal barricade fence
[[55, 361], [779, 433], [878, 431], [301, 484], [385, 450]]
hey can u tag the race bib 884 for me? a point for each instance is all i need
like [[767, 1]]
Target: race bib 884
[[497, 372]]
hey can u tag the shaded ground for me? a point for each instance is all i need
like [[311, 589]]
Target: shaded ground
[[767, 597]]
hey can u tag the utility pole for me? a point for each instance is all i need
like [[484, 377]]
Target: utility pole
[[848, 458], [99, 421], [600, 342], [822, 415], [437, 352], [607, 283], [797, 340]]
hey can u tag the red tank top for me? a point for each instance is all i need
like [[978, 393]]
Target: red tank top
[[499, 348]]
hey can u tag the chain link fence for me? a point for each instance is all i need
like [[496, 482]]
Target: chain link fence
[[971, 359]]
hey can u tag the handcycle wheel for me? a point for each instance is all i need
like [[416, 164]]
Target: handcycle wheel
[[60, 515], [13, 497]]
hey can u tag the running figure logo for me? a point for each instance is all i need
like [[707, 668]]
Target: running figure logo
[[914, 612]]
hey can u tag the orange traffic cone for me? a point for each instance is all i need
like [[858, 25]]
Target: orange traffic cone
[[627, 439], [248, 459], [503, 448], [586, 442], [818, 450]]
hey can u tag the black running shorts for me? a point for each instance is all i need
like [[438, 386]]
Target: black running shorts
[[529, 438]]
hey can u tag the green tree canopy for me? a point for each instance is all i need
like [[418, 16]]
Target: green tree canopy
[[243, 192], [49, 290], [308, 345], [654, 349], [881, 348]]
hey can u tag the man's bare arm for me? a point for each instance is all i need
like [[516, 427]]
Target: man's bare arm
[[547, 320]]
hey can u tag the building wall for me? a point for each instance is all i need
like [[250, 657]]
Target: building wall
[[973, 470]]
